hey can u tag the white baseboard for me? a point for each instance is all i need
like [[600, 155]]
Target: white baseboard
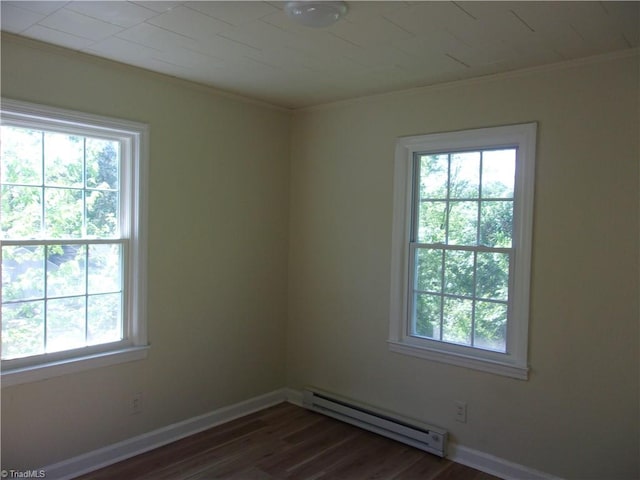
[[117, 452], [494, 465]]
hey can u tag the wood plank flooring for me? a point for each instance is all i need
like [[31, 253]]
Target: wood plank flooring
[[289, 443]]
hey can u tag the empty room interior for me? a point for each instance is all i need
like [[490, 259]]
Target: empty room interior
[[310, 204]]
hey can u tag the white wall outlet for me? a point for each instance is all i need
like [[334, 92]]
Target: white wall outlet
[[460, 411], [136, 403]]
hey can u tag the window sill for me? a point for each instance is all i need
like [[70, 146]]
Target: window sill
[[45, 371], [475, 363]]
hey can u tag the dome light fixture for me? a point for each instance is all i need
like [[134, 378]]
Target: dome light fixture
[[315, 14]]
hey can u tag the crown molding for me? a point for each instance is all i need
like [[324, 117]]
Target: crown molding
[[88, 57], [556, 66], [550, 67]]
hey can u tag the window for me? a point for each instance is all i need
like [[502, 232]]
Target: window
[[463, 213], [72, 234]]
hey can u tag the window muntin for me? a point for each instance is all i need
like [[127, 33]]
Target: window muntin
[[461, 246], [72, 226], [463, 214]]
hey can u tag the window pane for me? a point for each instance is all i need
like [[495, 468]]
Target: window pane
[[65, 323], [102, 214], [22, 273], [67, 253], [104, 268], [66, 272], [454, 294], [458, 273], [463, 223], [21, 212], [427, 320], [104, 321], [432, 221], [491, 326], [498, 173], [456, 326], [22, 329], [103, 162], [496, 224], [465, 175], [429, 270], [433, 176], [63, 159], [63, 212], [21, 152], [493, 276]]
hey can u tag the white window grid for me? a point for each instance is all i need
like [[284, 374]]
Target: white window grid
[[130, 237], [444, 247], [512, 362]]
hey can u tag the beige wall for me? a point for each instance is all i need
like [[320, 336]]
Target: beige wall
[[577, 415], [228, 203], [218, 227]]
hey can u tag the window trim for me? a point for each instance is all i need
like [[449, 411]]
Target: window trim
[[134, 181], [514, 362]]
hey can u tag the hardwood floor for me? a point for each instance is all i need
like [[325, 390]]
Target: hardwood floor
[[286, 442]]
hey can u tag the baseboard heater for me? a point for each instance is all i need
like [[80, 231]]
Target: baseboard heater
[[414, 433]]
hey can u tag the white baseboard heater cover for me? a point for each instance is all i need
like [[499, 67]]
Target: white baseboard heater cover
[[414, 433]]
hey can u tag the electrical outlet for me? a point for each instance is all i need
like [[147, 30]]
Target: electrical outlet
[[136, 403], [461, 412]]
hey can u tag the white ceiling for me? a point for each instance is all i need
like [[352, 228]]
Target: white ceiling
[[254, 49]]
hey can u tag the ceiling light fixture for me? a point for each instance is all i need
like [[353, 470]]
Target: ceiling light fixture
[[316, 14]]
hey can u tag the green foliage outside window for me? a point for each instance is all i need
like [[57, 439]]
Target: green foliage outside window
[[463, 239], [65, 294]]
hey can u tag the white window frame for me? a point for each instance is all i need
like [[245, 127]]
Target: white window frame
[[133, 188], [513, 363]]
